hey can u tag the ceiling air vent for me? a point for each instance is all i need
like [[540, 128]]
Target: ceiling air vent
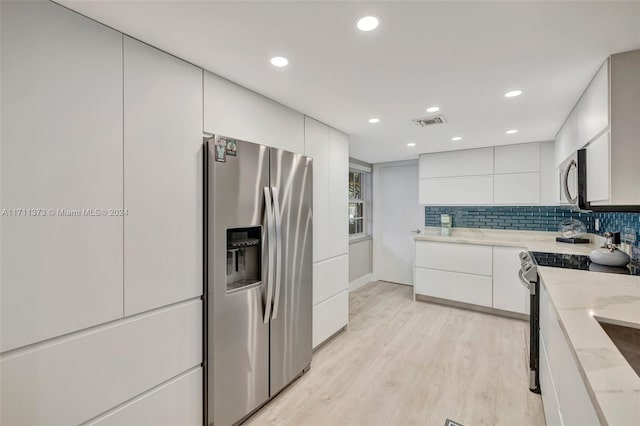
[[428, 121]]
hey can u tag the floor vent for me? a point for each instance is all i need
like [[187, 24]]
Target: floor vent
[[428, 121]]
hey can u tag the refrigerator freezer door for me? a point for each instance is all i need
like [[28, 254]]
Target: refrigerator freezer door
[[291, 181], [238, 337]]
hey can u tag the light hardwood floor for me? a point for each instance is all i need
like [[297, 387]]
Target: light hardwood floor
[[413, 363]]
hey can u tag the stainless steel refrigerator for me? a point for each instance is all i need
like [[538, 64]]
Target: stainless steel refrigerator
[[258, 275]]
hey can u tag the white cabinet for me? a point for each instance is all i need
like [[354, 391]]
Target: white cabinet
[[338, 193], [562, 382], [467, 288], [237, 112], [480, 275], [329, 149], [316, 139], [466, 162], [178, 402], [516, 188], [329, 317], [465, 258], [598, 169], [61, 154], [465, 190], [72, 380], [330, 277], [520, 158], [508, 293], [163, 178]]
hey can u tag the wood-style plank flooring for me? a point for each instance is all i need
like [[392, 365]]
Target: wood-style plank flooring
[[412, 363]]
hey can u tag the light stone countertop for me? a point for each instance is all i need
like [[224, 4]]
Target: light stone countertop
[[531, 240], [579, 297]]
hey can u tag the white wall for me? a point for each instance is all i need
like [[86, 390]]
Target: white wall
[[360, 260]]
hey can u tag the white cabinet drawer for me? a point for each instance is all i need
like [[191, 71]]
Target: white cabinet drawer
[[466, 190], [516, 188], [329, 317], [178, 402], [466, 258], [466, 288], [520, 158], [75, 378], [330, 277], [550, 404], [467, 162]]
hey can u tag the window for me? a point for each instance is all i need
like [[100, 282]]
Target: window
[[358, 204]]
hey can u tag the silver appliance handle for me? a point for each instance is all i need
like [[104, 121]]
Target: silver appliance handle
[[268, 208], [525, 282], [565, 182], [276, 208]]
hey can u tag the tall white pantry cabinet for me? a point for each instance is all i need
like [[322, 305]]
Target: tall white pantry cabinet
[[329, 149], [102, 311]]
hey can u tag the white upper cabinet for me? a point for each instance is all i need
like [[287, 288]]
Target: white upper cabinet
[[163, 178], [316, 142], [237, 112], [338, 193], [588, 118], [516, 188], [598, 169], [463, 190], [520, 158], [61, 149], [466, 162]]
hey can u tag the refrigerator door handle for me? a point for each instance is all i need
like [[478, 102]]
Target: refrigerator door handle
[[271, 240], [278, 223]]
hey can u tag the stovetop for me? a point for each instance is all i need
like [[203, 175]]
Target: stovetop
[[580, 262]]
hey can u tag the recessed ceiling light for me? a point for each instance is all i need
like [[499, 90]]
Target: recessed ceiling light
[[279, 61], [511, 132], [368, 23], [411, 144], [433, 109], [456, 138], [374, 120], [513, 93]]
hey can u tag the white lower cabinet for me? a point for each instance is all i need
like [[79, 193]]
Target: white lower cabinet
[[508, 293], [562, 382], [74, 379], [480, 275], [467, 288], [329, 317], [177, 402], [330, 277]]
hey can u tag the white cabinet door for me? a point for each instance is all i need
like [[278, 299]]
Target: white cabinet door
[[163, 178], [71, 380], [517, 188], [178, 402], [316, 145], [330, 277], [338, 193], [466, 258], [550, 404], [329, 317], [466, 162], [237, 112], [474, 289], [508, 293], [61, 153], [598, 169], [468, 190], [520, 158], [593, 114]]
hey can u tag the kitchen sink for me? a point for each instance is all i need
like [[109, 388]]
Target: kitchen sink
[[627, 340]]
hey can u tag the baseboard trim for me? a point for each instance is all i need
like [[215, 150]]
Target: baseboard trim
[[357, 283], [471, 307]]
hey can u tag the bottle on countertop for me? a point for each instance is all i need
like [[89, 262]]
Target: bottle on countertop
[[445, 225]]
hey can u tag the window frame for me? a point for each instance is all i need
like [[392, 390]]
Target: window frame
[[363, 201]]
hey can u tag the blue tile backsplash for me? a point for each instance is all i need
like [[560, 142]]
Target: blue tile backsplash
[[531, 218]]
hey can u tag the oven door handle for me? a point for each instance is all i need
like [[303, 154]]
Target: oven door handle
[[525, 282]]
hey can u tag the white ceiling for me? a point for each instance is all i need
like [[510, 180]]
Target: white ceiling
[[461, 56]]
